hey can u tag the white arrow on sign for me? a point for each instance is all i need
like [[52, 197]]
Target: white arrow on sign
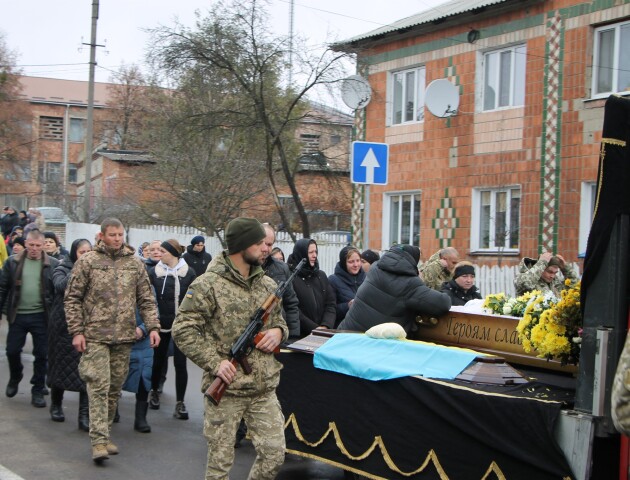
[[370, 162]]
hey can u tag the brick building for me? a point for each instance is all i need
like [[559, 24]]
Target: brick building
[[514, 171], [52, 173], [47, 173]]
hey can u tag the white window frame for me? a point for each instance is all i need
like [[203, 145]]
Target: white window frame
[[615, 67], [475, 219], [387, 238], [418, 103], [515, 55], [588, 198]]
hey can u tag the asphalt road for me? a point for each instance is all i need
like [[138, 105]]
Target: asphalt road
[[33, 447]]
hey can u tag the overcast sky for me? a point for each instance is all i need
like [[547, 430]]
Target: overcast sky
[[47, 35]]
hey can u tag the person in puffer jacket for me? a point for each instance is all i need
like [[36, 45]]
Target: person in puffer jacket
[[542, 274], [393, 292], [348, 277], [170, 278]]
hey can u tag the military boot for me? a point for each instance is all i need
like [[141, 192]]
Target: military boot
[[99, 453]]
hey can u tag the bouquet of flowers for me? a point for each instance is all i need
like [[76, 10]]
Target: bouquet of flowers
[[501, 304], [553, 326]]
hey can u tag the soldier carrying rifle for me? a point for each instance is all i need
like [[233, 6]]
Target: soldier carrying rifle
[[214, 313]]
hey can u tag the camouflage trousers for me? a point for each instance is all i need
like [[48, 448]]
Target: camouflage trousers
[[104, 369], [265, 426]]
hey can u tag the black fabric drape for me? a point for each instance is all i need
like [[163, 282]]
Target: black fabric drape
[[459, 432], [613, 178]]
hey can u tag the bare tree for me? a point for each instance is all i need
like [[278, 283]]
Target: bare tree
[[232, 47]]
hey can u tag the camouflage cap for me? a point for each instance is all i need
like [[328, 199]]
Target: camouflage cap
[[243, 232]]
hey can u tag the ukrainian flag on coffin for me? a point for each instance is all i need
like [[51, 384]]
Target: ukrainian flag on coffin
[[382, 359]]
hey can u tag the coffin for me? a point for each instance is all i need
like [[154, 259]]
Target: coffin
[[495, 334]]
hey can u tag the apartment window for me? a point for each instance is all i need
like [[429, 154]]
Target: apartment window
[[310, 143], [77, 130], [587, 210], [403, 218], [51, 128], [495, 219], [611, 65], [504, 78], [72, 173], [335, 140], [49, 172], [408, 96]]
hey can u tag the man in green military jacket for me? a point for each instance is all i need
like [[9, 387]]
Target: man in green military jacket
[[214, 312]]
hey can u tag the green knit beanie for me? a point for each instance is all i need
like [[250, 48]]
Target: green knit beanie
[[242, 233]]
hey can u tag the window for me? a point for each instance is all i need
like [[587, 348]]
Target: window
[[310, 144], [403, 214], [611, 65], [504, 78], [72, 173], [49, 172], [496, 219], [408, 96], [77, 130], [587, 209], [51, 128]]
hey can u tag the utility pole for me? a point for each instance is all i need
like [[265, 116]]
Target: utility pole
[[291, 25], [90, 116]]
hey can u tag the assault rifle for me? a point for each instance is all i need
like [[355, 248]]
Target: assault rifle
[[250, 337]]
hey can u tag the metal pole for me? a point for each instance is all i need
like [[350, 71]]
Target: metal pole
[[90, 117]]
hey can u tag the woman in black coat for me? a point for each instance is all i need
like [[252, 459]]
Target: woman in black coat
[[170, 278], [461, 288], [347, 279], [63, 359], [316, 296]]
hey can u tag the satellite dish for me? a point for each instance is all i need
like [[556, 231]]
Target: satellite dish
[[442, 98], [356, 92]]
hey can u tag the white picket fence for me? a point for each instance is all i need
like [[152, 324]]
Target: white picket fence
[[490, 279]]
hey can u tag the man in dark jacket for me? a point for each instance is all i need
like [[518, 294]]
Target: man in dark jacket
[[196, 256], [393, 292], [24, 289], [8, 221], [279, 271]]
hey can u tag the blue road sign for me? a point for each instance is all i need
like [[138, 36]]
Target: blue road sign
[[369, 163]]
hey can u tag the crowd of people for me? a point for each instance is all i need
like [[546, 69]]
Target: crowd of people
[[105, 318]]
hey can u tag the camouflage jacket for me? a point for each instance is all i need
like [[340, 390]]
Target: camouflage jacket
[[528, 278], [620, 397], [216, 309], [433, 273], [102, 295]]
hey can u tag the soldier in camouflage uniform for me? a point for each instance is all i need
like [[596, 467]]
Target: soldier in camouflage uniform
[[214, 312], [439, 268], [542, 274], [105, 287], [620, 397]]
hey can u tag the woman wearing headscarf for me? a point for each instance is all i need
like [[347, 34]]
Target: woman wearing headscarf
[[316, 296], [170, 278], [63, 359], [347, 279]]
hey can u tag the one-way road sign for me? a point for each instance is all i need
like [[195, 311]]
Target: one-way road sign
[[369, 163]]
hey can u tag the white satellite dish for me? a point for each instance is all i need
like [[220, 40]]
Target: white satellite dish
[[356, 92], [442, 98]]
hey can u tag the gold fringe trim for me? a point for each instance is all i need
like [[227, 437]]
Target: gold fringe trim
[[494, 468], [431, 457], [614, 141]]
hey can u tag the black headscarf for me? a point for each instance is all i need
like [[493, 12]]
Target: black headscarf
[[300, 251]]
